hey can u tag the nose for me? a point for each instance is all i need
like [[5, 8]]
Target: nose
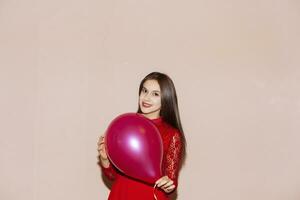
[[147, 97]]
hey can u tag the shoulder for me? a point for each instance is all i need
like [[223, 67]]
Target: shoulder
[[172, 131]]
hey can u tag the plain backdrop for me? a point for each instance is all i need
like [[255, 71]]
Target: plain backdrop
[[67, 68]]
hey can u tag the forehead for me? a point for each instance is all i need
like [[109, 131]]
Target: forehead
[[151, 85]]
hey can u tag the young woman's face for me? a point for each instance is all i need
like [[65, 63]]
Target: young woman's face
[[150, 99]]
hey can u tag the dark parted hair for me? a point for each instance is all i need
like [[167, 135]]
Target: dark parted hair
[[169, 104]]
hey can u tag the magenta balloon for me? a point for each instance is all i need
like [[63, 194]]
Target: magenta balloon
[[135, 147]]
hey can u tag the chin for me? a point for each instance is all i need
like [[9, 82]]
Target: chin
[[145, 111]]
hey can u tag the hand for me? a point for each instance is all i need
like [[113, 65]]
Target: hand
[[101, 149], [166, 184]]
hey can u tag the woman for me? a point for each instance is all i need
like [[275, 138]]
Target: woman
[[158, 103]]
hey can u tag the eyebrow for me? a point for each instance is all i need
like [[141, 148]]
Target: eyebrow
[[153, 90]]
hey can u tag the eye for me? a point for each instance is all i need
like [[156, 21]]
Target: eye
[[156, 94], [144, 90]]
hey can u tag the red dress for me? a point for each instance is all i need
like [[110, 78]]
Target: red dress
[[126, 188]]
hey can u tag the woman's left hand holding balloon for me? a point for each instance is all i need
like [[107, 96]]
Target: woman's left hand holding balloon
[[166, 184]]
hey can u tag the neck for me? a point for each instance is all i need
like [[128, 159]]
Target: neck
[[149, 116]]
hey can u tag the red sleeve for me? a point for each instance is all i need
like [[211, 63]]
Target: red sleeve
[[109, 172], [173, 157]]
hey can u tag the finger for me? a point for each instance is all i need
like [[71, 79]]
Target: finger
[[170, 189], [101, 147], [100, 139], [161, 179], [162, 183], [103, 153], [168, 184], [100, 143]]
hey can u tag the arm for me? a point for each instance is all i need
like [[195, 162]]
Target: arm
[[106, 167], [173, 158], [169, 182]]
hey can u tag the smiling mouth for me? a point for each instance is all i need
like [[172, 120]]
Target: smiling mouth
[[146, 105]]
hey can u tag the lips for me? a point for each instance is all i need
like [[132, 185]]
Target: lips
[[146, 105]]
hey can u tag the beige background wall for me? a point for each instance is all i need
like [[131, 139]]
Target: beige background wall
[[69, 67]]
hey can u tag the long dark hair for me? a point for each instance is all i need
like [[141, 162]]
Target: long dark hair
[[169, 104]]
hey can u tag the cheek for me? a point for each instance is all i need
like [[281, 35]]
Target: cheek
[[141, 96], [158, 102]]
